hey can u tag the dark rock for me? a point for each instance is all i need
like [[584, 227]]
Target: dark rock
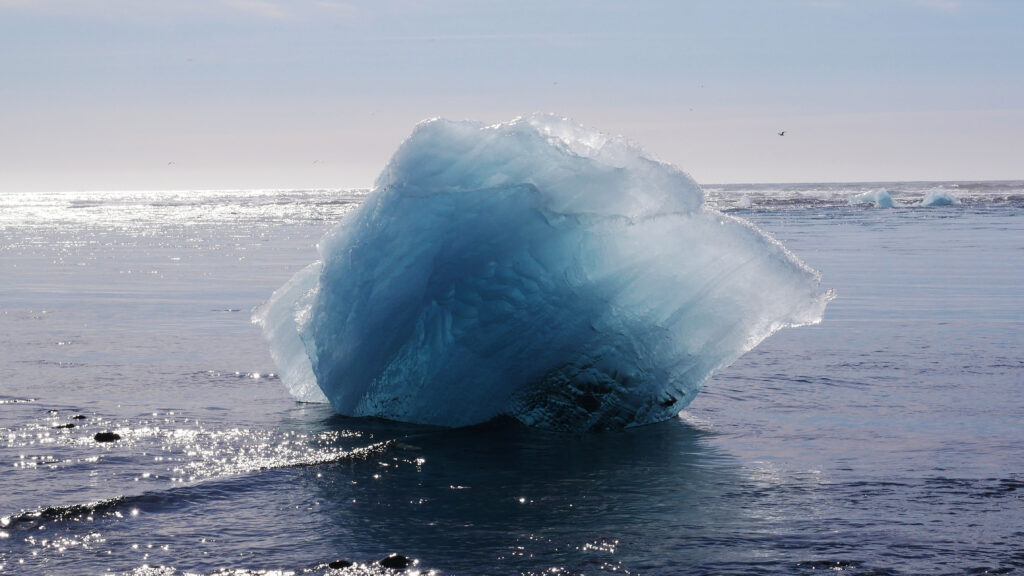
[[339, 564], [395, 562], [106, 437], [68, 425], [78, 417]]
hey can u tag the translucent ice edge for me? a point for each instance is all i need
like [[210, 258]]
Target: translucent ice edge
[[534, 269]]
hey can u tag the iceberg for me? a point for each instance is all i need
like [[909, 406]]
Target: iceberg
[[939, 197], [880, 198], [533, 269]]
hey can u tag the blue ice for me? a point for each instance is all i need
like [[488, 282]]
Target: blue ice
[[940, 197], [534, 269], [880, 198]]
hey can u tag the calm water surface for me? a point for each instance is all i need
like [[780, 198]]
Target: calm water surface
[[886, 440]]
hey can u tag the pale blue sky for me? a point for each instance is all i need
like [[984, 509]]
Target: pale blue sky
[[138, 94]]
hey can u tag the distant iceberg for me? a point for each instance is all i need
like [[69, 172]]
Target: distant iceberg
[[940, 197], [880, 198], [534, 269]]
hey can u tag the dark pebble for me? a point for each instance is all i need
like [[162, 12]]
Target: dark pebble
[[395, 561], [339, 564], [78, 417], [106, 437], [68, 425]]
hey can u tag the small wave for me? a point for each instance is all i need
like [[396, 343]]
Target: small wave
[[66, 513], [156, 500], [389, 565], [828, 565], [237, 375], [975, 488], [86, 203], [9, 400]]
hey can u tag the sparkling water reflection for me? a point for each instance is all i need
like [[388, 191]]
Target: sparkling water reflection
[[883, 441]]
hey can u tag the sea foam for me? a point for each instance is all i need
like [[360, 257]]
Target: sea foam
[[534, 269]]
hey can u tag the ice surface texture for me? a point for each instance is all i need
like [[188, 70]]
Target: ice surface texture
[[533, 269]]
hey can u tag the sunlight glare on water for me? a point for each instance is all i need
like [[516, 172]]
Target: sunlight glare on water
[[883, 441]]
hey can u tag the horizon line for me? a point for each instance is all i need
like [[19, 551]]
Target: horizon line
[[370, 188]]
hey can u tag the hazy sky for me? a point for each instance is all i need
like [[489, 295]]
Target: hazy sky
[[176, 94]]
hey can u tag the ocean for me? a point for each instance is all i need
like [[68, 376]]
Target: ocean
[[885, 440]]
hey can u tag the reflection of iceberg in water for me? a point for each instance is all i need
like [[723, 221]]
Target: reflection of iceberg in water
[[492, 488], [534, 269]]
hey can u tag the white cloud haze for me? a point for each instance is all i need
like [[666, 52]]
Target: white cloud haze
[[258, 93]]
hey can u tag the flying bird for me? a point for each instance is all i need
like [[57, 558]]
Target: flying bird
[[783, 133]]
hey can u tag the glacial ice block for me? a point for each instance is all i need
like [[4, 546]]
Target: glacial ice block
[[534, 269], [880, 198], [939, 197]]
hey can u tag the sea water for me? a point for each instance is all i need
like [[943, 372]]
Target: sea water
[[885, 440]]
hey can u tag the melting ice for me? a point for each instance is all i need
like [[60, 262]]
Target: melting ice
[[939, 197], [880, 198], [534, 269]]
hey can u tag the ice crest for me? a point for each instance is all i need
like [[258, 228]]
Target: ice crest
[[534, 269]]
